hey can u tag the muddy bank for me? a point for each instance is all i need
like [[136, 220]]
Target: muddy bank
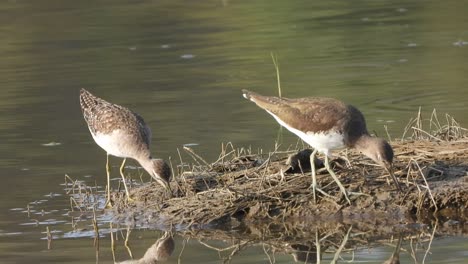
[[247, 187]]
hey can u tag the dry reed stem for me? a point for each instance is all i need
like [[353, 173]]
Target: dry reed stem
[[430, 243], [426, 186], [276, 64], [341, 247], [96, 234]]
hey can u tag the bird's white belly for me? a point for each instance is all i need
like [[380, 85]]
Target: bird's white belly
[[114, 143], [323, 142]]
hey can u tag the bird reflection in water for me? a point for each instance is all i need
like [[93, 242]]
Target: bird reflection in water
[[159, 252], [304, 253], [395, 257]]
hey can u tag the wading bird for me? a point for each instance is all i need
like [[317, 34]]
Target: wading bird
[[122, 133], [326, 124]]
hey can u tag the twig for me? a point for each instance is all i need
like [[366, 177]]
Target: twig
[[430, 242], [195, 156], [340, 249], [426, 186], [184, 243]]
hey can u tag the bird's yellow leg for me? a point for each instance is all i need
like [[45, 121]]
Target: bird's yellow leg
[[108, 202], [342, 188], [312, 168], [127, 244], [314, 179], [123, 180]]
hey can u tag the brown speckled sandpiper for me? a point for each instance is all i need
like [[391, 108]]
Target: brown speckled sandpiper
[[122, 133], [326, 124]]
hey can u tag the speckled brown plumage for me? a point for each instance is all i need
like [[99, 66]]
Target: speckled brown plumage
[[105, 117]]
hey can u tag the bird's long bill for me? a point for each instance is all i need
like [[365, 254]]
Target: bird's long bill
[[389, 169], [166, 186]]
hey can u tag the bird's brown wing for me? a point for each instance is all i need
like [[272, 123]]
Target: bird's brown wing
[[312, 114], [105, 117]]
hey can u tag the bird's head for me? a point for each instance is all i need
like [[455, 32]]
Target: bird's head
[[381, 153], [160, 171]]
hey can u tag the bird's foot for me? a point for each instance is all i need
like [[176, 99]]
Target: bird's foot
[[315, 188], [130, 199], [108, 204], [345, 194]]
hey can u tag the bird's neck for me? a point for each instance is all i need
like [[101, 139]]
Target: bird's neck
[[146, 163], [363, 143]]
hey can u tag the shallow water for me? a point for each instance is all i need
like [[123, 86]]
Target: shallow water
[[181, 65]]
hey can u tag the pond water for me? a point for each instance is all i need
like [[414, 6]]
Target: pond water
[[182, 65]]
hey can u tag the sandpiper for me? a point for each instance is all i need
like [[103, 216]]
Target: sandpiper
[[326, 124], [122, 133]]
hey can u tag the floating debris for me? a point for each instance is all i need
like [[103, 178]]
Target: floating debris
[[460, 43], [187, 56], [51, 144], [17, 209], [385, 121], [52, 195], [191, 144]]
